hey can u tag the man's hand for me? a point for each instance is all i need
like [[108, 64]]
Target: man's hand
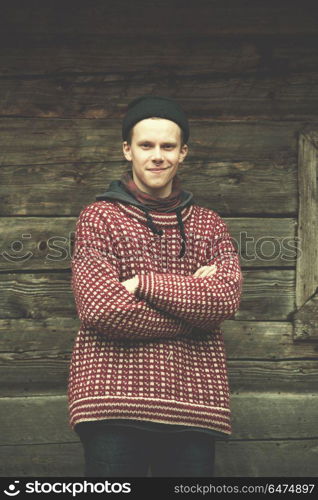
[[131, 284], [205, 271]]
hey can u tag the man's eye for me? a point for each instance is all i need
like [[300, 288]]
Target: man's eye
[[145, 145]]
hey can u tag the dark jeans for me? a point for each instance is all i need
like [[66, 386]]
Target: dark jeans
[[114, 451]]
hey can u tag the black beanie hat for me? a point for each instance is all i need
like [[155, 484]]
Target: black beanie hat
[[148, 106]]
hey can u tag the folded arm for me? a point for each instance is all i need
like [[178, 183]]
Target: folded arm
[[102, 302], [202, 301]]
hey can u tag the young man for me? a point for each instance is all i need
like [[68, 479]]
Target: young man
[[153, 276]]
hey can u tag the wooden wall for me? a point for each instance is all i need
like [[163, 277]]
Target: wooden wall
[[247, 74]]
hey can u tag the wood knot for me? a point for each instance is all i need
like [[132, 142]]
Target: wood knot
[[234, 179], [42, 245]]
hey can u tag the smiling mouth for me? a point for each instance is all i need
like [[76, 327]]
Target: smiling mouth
[[157, 169]]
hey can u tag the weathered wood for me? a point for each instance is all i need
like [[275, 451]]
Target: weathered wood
[[72, 63], [62, 59], [289, 458], [66, 59], [266, 340], [307, 261], [47, 446], [267, 458], [267, 295], [46, 243], [35, 355], [53, 335], [46, 460], [254, 416], [306, 314], [227, 163], [220, 185], [306, 320], [35, 142], [36, 296], [298, 376], [242, 96], [38, 373], [208, 18]]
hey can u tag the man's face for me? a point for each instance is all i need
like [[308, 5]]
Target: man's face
[[155, 152]]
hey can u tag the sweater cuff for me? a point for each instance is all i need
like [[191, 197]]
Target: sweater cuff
[[145, 284]]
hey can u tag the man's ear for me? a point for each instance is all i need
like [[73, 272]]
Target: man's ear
[[127, 150], [183, 152]]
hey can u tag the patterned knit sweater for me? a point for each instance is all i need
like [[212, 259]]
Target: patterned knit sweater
[[157, 354]]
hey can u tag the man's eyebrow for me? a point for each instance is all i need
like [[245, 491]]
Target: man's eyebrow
[[173, 143]]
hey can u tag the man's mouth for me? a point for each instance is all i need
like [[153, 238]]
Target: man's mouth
[[157, 169]]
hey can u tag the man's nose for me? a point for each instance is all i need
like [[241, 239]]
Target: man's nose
[[157, 153]]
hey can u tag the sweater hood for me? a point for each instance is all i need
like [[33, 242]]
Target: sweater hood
[[116, 191]]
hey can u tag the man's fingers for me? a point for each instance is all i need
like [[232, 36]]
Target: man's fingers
[[205, 271], [198, 272]]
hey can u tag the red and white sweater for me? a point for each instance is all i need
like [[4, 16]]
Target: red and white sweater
[[158, 354]]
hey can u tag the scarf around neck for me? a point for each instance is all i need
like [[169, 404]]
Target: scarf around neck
[[153, 202]]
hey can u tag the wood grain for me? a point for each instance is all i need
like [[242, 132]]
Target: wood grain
[[36, 141], [254, 95], [42, 373], [53, 337], [267, 295], [46, 243], [267, 415], [288, 458], [56, 167], [307, 261], [268, 188], [210, 18], [275, 425]]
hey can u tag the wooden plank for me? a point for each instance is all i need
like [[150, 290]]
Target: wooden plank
[[264, 340], [261, 376], [35, 355], [62, 59], [249, 95], [294, 458], [254, 416], [306, 321], [208, 18], [49, 447], [267, 295], [267, 188], [307, 261], [36, 142], [41, 373], [96, 65], [256, 162], [305, 317], [36, 296], [53, 335], [244, 340], [267, 459], [47, 460], [47, 243]]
